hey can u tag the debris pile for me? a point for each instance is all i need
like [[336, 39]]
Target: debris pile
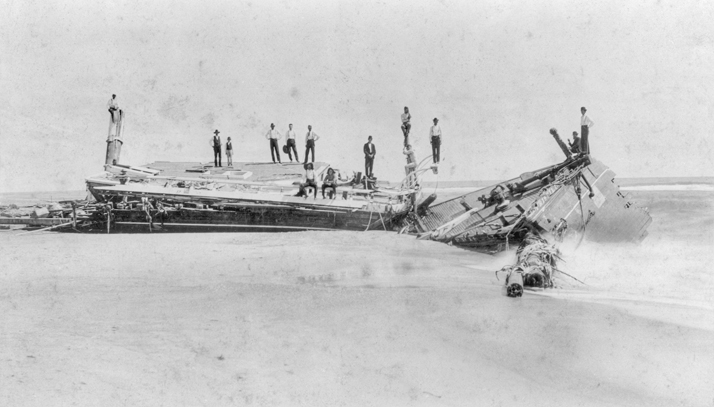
[[536, 260]]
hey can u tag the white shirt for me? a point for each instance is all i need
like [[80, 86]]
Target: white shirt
[[311, 135], [290, 134], [435, 131], [273, 134], [585, 121], [113, 103], [406, 117], [213, 144]]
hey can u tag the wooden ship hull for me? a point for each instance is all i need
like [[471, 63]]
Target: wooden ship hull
[[191, 197]]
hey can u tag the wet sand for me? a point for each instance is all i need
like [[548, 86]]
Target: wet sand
[[349, 318]]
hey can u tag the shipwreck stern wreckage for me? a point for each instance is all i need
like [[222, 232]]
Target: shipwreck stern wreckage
[[536, 211]]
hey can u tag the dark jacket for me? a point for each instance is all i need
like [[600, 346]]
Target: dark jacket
[[366, 150]]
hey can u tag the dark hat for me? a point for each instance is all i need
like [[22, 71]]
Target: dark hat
[[575, 133], [436, 120], [285, 149], [583, 108], [216, 132]]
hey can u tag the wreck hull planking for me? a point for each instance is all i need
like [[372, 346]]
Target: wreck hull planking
[[606, 216], [245, 219]]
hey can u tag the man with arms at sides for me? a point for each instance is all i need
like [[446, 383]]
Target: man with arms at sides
[[585, 125], [274, 135], [229, 152], [369, 152], [290, 135], [435, 134], [216, 144], [310, 138]]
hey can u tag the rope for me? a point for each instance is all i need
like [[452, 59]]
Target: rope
[[370, 220]]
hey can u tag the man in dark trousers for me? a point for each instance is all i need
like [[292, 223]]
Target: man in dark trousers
[[310, 138], [369, 152], [585, 125], [435, 134], [216, 144], [274, 135], [290, 143]]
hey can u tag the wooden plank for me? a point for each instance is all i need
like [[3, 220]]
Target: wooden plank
[[33, 221]]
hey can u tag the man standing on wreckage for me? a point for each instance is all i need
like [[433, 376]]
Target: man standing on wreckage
[[585, 125]]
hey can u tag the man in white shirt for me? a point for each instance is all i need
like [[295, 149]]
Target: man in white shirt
[[310, 138], [435, 134], [585, 125], [274, 135], [406, 126], [369, 152], [290, 135], [113, 107]]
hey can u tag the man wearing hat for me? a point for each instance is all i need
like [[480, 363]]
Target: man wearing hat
[[274, 135], [435, 134], [216, 144], [585, 125]]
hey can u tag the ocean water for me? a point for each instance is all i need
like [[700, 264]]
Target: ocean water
[[674, 262]]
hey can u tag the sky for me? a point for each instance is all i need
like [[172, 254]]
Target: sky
[[497, 74]]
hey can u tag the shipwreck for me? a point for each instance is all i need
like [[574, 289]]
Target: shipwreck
[[576, 197]]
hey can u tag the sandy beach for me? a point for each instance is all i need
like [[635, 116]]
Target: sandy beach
[[349, 318]]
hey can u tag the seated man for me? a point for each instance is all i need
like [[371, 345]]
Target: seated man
[[575, 145], [330, 181], [309, 181]]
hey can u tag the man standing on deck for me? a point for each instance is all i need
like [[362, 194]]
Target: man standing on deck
[[310, 138], [274, 135], [290, 135], [435, 134], [406, 126], [216, 144], [229, 152], [113, 106], [369, 152], [585, 125]]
